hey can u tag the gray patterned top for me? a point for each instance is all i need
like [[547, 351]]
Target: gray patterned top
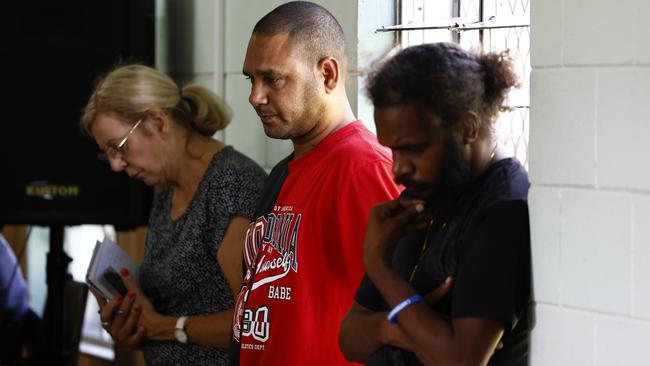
[[179, 272]]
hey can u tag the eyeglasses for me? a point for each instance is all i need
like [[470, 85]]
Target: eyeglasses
[[114, 152]]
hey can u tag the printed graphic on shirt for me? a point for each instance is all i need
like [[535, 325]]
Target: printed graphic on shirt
[[270, 253], [279, 293], [256, 324]]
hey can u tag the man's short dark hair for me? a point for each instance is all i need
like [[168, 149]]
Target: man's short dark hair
[[314, 30], [443, 80]]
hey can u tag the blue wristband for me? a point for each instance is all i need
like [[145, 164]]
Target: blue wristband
[[392, 315]]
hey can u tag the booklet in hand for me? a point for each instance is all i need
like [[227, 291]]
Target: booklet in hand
[[103, 272]]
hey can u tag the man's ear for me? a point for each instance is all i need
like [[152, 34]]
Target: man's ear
[[160, 122], [469, 128], [329, 69]]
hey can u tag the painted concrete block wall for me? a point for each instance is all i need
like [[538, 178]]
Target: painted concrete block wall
[[590, 199], [189, 39]]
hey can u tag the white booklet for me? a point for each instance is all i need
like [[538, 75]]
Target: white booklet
[[104, 269]]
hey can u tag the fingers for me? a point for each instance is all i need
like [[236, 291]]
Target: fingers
[[131, 320], [128, 280], [389, 208], [437, 294], [106, 313], [122, 314], [396, 206], [418, 223], [411, 218], [101, 300], [135, 339], [132, 286], [400, 216], [498, 347], [122, 326]]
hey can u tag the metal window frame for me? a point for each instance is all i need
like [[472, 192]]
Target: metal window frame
[[456, 25], [453, 24]]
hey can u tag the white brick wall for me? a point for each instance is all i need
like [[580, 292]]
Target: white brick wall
[[596, 32], [622, 342], [545, 210], [642, 29], [187, 37], [595, 248], [590, 200], [244, 131], [546, 35], [641, 259], [624, 118], [567, 118], [562, 337]]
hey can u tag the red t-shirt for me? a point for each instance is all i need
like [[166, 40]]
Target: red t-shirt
[[304, 258]]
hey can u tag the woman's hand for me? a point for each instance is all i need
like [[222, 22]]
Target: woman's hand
[[119, 317], [150, 319]]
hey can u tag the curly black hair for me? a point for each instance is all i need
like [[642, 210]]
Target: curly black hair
[[444, 80]]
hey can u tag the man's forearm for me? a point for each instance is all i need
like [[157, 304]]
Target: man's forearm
[[360, 335], [363, 332], [391, 286], [427, 332]]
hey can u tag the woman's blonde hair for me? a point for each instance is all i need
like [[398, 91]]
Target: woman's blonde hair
[[130, 91]]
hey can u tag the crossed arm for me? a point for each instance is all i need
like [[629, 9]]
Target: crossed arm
[[419, 329], [435, 340]]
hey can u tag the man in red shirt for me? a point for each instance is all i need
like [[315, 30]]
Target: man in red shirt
[[303, 253]]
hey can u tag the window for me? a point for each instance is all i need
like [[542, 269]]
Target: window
[[483, 25], [79, 242]]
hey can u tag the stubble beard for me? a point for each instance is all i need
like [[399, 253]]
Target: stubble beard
[[304, 116]]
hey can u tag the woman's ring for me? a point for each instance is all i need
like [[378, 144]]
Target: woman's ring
[[105, 324], [119, 312]]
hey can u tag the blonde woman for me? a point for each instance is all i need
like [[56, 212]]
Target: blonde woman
[[162, 135]]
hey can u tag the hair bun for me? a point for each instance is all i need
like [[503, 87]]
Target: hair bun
[[498, 76], [208, 112]]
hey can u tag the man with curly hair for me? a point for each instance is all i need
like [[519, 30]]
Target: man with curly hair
[[447, 263]]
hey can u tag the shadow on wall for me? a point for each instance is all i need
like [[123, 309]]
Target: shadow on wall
[[176, 36]]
